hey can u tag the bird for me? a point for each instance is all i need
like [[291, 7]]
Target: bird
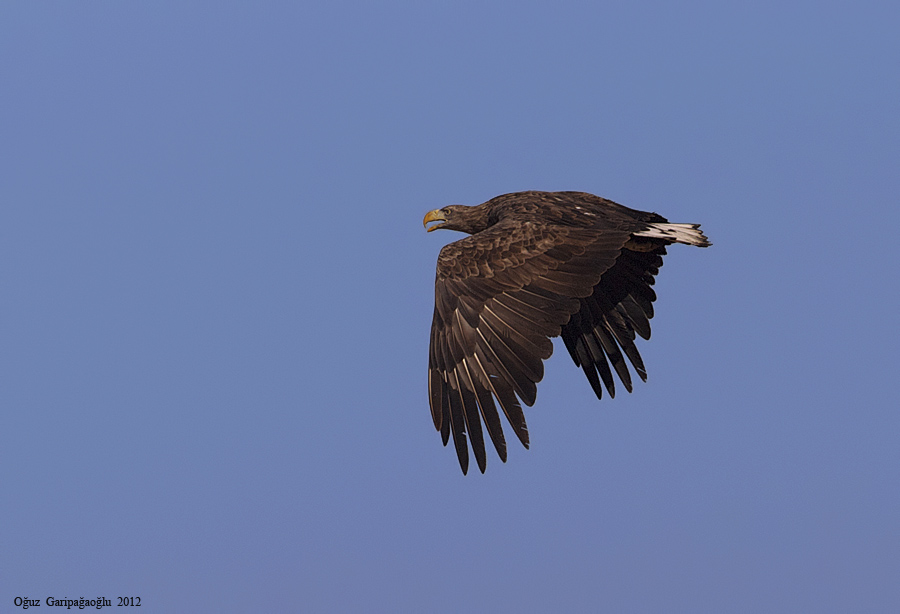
[[537, 265]]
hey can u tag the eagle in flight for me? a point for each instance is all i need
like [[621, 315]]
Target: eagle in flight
[[537, 265]]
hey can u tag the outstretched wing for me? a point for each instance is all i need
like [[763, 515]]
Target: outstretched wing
[[500, 295]]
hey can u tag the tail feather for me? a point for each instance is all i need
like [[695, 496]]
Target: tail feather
[[688, 234]]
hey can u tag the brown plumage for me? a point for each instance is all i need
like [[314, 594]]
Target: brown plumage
[[537, 265]]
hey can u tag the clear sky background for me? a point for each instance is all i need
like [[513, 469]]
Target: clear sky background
[[216, 294]]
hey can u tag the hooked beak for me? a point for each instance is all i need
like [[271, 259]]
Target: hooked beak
[[434, 216]]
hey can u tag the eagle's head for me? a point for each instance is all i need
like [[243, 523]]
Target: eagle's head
[[458, 217]]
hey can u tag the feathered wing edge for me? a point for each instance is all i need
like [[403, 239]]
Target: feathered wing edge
[[605, 327], [621, 306]]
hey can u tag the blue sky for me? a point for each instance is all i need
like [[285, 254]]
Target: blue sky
[[217, 295]]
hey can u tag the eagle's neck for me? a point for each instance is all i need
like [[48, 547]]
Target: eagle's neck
[[477, 218]]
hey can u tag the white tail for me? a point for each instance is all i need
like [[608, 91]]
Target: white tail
[[689, 234]]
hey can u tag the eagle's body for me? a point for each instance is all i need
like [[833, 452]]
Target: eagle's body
[[537, 265]]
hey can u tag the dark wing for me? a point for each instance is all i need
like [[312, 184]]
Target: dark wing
[[620, 306], [500, 295]]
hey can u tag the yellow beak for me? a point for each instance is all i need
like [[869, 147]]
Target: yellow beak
[[433, 216]]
